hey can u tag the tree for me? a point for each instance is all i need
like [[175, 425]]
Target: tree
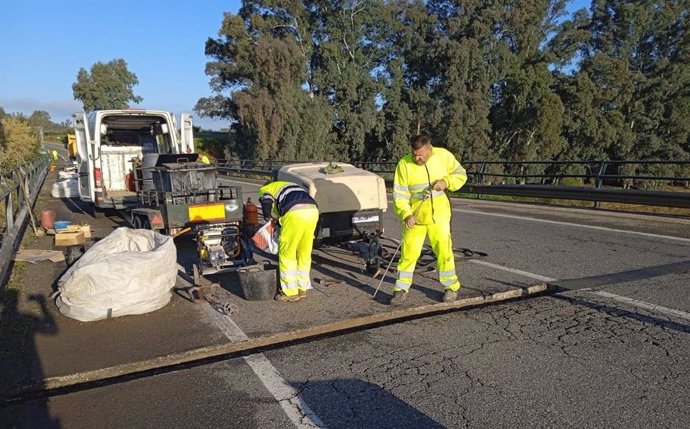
[[107, 86], [18, 141], [261, 59], [40, 118]]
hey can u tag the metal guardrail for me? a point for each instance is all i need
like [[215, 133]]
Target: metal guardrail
[[489, 177], [18, 190]]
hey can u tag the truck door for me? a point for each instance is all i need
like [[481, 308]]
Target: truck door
[[186, 134], [84, 157]]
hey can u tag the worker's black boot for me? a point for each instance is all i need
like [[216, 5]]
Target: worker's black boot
[[398, 297]]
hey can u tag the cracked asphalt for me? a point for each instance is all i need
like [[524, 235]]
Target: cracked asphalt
[[575, 359], [572, 360]]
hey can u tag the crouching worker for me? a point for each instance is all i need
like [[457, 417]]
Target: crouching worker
[[297, 214]]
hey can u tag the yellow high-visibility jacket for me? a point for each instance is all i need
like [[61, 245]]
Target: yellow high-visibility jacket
[[413, 181], [279, 197]]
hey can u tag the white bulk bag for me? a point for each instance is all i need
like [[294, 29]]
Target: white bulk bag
[[64, 175], [131, 271], [68, 188]]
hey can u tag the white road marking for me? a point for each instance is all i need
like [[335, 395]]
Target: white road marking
[[513, 270], [653, 307], [577, 225], [298, 411], [634, 302]]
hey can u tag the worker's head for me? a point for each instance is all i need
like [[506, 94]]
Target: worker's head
[[421, 149]]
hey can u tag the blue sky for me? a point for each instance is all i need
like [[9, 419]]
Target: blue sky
[[43, 44]]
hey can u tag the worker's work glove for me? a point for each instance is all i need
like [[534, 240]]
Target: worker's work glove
[[410, 221], [439, 185]]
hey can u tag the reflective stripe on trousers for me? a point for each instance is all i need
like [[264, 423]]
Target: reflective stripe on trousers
[[442, 245], [295, 244]]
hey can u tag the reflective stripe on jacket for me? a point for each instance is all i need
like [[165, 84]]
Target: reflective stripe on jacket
[[284, 195], [413, 181]]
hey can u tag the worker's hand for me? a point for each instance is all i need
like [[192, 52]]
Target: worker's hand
[[439, 185], [410, 221]]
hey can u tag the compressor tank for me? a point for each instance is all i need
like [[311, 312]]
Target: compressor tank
[[351, 200]]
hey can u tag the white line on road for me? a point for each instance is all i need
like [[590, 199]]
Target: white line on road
[[513, 270], [554, 222], [634, 302], [653, 307], [298, 411]]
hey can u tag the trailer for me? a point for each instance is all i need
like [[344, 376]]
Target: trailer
[[179, 195], [351, 202]]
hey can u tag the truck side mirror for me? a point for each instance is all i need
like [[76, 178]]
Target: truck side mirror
[[103, 129]]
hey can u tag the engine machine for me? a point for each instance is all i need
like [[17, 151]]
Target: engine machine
[[351, 203], [179, 195]]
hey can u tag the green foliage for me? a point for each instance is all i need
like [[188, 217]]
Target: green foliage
[[487, 79], [18, 142], [106, 86]]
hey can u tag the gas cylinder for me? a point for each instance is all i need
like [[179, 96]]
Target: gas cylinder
[[47, 219], [129, 180], [251, 213]]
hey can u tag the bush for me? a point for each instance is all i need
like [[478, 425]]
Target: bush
[[18, 142]]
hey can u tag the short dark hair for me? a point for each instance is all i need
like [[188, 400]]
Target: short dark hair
[[419, 141]]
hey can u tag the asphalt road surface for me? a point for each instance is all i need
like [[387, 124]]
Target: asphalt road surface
[[610, 349]]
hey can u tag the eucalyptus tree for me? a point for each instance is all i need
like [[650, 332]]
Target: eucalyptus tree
[[527, 114], [106, 86], [262, 82], [351, 46], [639, 60]]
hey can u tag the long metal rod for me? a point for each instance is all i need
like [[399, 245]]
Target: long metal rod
[[94, 378]]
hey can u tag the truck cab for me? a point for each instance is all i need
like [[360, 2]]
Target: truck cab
[[109, 141]]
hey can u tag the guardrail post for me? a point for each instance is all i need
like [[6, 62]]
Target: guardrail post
[[9, 213], [599, 181], [480, 177]]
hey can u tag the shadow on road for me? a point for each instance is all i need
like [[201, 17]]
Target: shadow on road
[[623, 276], [352, 403], [19, 362], [618, 312]]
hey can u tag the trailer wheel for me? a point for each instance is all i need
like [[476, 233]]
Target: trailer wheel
[[197, 274], [141, 222]]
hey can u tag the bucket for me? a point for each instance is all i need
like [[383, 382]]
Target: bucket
[[47, 219], [61, 224], [258, 284]]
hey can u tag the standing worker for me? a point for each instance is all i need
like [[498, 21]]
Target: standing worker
[[297, 214], [55, 155], [424, 208]]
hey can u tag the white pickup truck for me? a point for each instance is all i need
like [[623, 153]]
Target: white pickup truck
[[109, 140]]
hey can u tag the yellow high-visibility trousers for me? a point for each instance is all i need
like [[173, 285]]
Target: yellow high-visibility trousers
[[295, 244], [411, 248]]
